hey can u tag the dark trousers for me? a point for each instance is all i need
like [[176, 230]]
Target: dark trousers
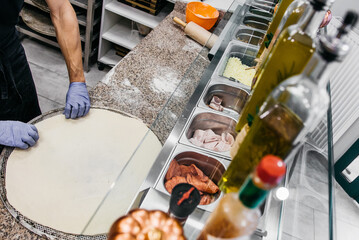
[[18, 97]]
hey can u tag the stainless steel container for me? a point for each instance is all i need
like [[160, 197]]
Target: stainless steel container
[[243, 51], [211, 165], [233, 98], [267, 3], [257, 22], [249, 35], [202, 119], [261, 10]]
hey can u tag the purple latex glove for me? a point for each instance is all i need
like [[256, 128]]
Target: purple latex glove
[[77, 101], [18, 134]]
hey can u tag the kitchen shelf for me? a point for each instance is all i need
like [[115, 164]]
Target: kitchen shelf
[[94, 37], [82, 20], [30, 3], [110, 58], [46, 39], [137, 15], [120, 34], [27, 31], [84, 3], [88, 20], [117, 25]]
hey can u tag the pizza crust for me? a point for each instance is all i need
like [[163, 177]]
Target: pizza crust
[[62, 180]]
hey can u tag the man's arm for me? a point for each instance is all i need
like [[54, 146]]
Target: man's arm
[[68, 36]]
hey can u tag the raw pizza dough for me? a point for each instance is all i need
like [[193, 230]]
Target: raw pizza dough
[[62, 180]]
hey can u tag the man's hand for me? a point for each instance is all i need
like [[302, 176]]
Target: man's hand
[[77, 101], [66, 25], [18, 134]]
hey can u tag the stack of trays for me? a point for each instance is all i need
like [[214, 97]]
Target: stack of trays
[[150, 6], [38, 19]]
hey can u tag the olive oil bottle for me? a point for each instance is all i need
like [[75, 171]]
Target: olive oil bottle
[[278, 15], [290, 54], [291, 17], [266, 136], [292, 109]]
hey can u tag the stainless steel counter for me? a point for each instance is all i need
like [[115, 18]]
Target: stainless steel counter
[[280, 218]]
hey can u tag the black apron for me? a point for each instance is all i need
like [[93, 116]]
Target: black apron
[[18, 97]]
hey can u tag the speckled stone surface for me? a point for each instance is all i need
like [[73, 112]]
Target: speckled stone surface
[[142, 85], [11, 229], [143, 82]]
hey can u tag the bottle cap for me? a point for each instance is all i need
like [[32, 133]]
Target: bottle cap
[[321, 4], [271, 169], [350, 18], [184, 200], [334, 48]]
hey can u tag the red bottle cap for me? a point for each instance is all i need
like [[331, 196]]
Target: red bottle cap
[[271, 169]]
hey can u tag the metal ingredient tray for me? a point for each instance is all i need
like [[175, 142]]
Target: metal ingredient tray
[[268, 3], [207, 119], [203, 160], [252, 26], [255, 21], [249, 35], [243, 51], [232, 94], [261, 10]]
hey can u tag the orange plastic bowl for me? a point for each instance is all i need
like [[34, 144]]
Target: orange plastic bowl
[[201, 13]]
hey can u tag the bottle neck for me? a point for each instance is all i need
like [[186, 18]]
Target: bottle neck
[[250, 195], [318, 70], [310, 21]]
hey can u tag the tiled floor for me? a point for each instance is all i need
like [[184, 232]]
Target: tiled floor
[[50, 74]]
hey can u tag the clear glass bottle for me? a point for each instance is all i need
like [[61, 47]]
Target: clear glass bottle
[[237, 215], [294, 47], [293, 109]]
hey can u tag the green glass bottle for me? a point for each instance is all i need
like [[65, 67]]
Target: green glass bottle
[[237, 215]]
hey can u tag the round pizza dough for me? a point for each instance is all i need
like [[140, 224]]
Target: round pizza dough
[[61, 181]]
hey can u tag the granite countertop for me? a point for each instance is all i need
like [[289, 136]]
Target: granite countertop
[[143, 82], [141, 85]]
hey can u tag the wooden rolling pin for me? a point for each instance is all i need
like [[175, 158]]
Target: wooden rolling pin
[[197, 33]]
